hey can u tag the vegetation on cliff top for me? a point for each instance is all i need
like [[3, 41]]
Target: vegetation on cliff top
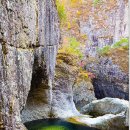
[[72, 47], [122, 44], [69, 62], [95, 2]]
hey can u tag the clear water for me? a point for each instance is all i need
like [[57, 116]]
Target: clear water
[[55, 124]]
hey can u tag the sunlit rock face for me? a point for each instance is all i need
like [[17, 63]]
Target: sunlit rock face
[[28, 46], [107, 24]]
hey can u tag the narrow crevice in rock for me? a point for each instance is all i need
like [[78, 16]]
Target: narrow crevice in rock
[[24, 48]]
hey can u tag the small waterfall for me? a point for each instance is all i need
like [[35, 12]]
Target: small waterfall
[[50, 83], [51, 52], [51, 41], [50, 91]]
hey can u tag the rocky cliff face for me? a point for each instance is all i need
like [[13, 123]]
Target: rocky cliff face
[[100, 23], [107, 24], [29, 37], [111, 80], [72, 90]]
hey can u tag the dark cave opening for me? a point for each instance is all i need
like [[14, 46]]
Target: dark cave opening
[[37, 104], [104, 88]]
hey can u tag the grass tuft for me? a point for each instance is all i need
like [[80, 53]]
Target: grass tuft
[[105, 50], [61, 10], [97, 2], [122, 44], [72, 48]]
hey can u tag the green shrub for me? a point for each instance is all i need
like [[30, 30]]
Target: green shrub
[[74, 43], [124, 42], [104, 50], [96, 2], [72, 48], [61, 10]]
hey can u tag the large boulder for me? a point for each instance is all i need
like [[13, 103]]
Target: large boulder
[[106, 106], [105, 122], [105, 114], [108, 114]]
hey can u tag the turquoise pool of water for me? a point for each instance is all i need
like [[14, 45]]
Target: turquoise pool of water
[[55, 124]]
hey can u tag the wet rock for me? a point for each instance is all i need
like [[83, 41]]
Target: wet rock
[[105, 122], [107, 114], [106, 106]]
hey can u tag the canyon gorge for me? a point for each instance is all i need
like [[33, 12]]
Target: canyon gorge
[[64, 67]]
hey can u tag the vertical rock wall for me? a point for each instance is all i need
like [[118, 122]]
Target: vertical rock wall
[[29, 36], [107, 24]]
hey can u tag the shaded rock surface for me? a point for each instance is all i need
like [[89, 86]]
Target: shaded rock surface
[[38, 101], [111, 80], [28, 47], [83, 93]]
